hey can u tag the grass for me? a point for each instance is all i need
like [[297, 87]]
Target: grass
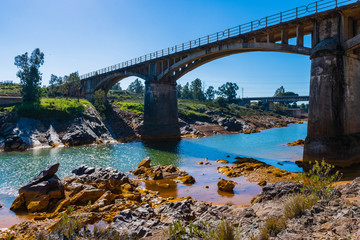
[[272, 227], [71, 229], [297, 204], [134, 107], [223, 230], [294, 207], [52, 108]]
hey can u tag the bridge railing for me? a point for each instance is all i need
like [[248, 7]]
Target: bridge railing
[[302, 11]]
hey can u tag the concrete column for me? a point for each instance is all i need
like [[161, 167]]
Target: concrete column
[[334, 104], [284, 37], [300, 36], [160, 112]]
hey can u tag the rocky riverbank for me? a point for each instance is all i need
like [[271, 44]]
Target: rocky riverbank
[[116, 205], [20, 133], [127, 125]]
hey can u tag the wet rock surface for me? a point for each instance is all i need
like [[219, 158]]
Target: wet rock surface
[[146, 172], [255, 171], [41, 193]]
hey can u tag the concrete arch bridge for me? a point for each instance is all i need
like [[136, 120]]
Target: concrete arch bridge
[[334, 111]]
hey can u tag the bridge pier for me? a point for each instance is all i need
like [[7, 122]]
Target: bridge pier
[[334, 104], [160, 112]]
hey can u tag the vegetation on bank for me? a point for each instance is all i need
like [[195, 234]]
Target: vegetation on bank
[[10, 89], [52, 108]]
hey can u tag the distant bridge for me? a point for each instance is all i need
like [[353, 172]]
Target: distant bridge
[[278, 99], [269, 101], [334, 101]]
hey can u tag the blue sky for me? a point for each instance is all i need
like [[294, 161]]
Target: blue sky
[[86, 35]]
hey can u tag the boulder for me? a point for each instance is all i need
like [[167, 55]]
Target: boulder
[[226, 185], [103, 178], [222, 161], [230, 124], [187, 179], [145, 163], [37, 195], [276, 190]]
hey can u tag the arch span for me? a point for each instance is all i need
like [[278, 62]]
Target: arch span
[[197, 59]]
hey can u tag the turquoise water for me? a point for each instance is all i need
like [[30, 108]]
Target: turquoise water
[[17, 168]]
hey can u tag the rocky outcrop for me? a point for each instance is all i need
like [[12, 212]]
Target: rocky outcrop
[[277, 190], [146, 172], [19, 133], [299, 142], [41, 193], [226, 185], [230, 124], [86, 130], [255, 171]]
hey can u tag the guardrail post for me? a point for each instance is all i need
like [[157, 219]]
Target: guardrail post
[[280, 17], [266, 21], [199, 41], [228, 32], [297, 12], [190, 44], [217, 36], [175, 48], [209, 37], [251, 26], [183, 46], [336, 3], [162, 52], [316, 9]]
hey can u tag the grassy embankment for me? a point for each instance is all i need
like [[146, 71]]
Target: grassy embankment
[[54, 108], [190, 109], [10, 89]]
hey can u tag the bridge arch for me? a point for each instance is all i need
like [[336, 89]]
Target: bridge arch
[[110, 80], [195, 60]]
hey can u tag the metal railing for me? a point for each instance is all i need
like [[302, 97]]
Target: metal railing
[[302, 11]]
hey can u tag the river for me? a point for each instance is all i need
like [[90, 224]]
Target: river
[[17, 168]]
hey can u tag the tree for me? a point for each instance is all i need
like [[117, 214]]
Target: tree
[[228, 90], [74, 84], [29, 74], [196, 90], [186, 93], [116, 87], [136, 87], [210, 93], [55, 85], [178, 90], [100, 101], [279, 92]]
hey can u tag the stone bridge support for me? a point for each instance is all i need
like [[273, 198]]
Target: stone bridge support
[[334, 110], [161, 112]]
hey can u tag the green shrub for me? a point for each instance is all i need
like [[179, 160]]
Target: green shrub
[[319, 180], [221, 102]]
